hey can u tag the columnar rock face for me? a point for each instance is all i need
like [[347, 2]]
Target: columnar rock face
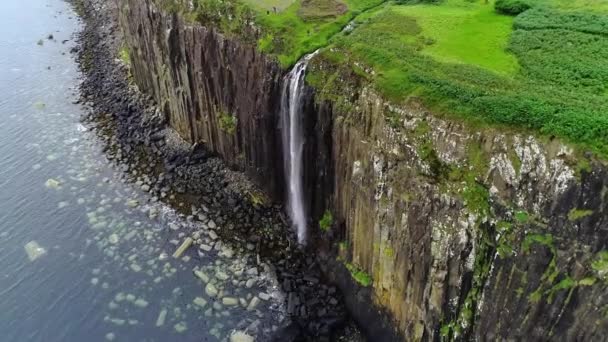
[[213, 90], [467, 232]]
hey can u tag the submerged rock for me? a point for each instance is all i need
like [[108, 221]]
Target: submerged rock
[[240, 336], [211, 290], [199, 301], [52, 183], [182, 248], [162, 315], [34, 250], [180, 327]]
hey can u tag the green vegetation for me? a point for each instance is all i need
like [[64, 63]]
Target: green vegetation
[[539, 65], [306, 26], [512, 7], [227, 123], [576, 214], [522, 217], [326, 221], [545, 70], [124, 55], [600, 265], [359, 275], [343, 246]]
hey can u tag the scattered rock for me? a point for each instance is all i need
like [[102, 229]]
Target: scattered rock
[[185, 245], [211, 290], [162, 315], [239, 336], [199, 301]]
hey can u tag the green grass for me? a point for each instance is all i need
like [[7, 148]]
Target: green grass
[[270, 5], [544, 70], [465, 32], [549, 74], [297, 31]]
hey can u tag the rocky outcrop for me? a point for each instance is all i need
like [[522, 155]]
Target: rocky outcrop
[[463, 231], [213, 90]]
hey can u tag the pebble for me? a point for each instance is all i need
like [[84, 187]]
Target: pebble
[[113, 239], [230, 301], [264, 296], [254, 303], [200, 302], [132, 203], [142, 303], [110, 336], [180, 327], [162, 315], [211, 290], [239, 336], [221, 275], [202, 276]]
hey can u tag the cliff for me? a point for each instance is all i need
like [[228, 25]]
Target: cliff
[[451, 230]]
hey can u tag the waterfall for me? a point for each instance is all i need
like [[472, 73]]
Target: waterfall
[[293, 143]]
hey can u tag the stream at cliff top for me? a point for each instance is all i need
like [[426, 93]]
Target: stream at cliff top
[[85, 254]]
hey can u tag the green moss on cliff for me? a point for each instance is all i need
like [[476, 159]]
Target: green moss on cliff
[[326, 221], [577, 214], [361, 277], [227, 123]]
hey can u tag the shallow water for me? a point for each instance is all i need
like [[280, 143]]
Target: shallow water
[[84, 254]]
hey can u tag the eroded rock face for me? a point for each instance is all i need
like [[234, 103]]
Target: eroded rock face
[[213, 90], [466, 232], [469, 233]]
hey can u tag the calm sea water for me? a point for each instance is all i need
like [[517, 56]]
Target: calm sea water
[[100, 265]]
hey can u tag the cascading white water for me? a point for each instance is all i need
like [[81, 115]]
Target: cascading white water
[[293, 143]]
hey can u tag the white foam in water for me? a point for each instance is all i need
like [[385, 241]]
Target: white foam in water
[[293, 143]]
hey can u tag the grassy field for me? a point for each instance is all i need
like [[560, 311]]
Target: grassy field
[[545, 70], [306, 26], [270, 5], [465, 32]]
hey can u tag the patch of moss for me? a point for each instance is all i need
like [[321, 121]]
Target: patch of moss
[[438, 169], [522, 217], [600, 265], [587, 281], [360, 276], [326, 221], [506, 239], [343, 245], [227, 123], [257, 198], [577, 214], [124, 54], [389, 252]]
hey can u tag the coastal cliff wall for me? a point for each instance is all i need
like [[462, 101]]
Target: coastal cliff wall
[[451, 230], [212, 90]]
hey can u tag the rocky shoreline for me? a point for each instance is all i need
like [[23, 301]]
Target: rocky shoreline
[[233, 211]]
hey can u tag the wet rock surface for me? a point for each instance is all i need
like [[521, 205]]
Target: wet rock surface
[[229, 216]]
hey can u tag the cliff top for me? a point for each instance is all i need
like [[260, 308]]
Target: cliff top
[[534, 64]]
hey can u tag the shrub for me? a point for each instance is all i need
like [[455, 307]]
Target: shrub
[[227, 123], [511, 7], [326, 221]]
